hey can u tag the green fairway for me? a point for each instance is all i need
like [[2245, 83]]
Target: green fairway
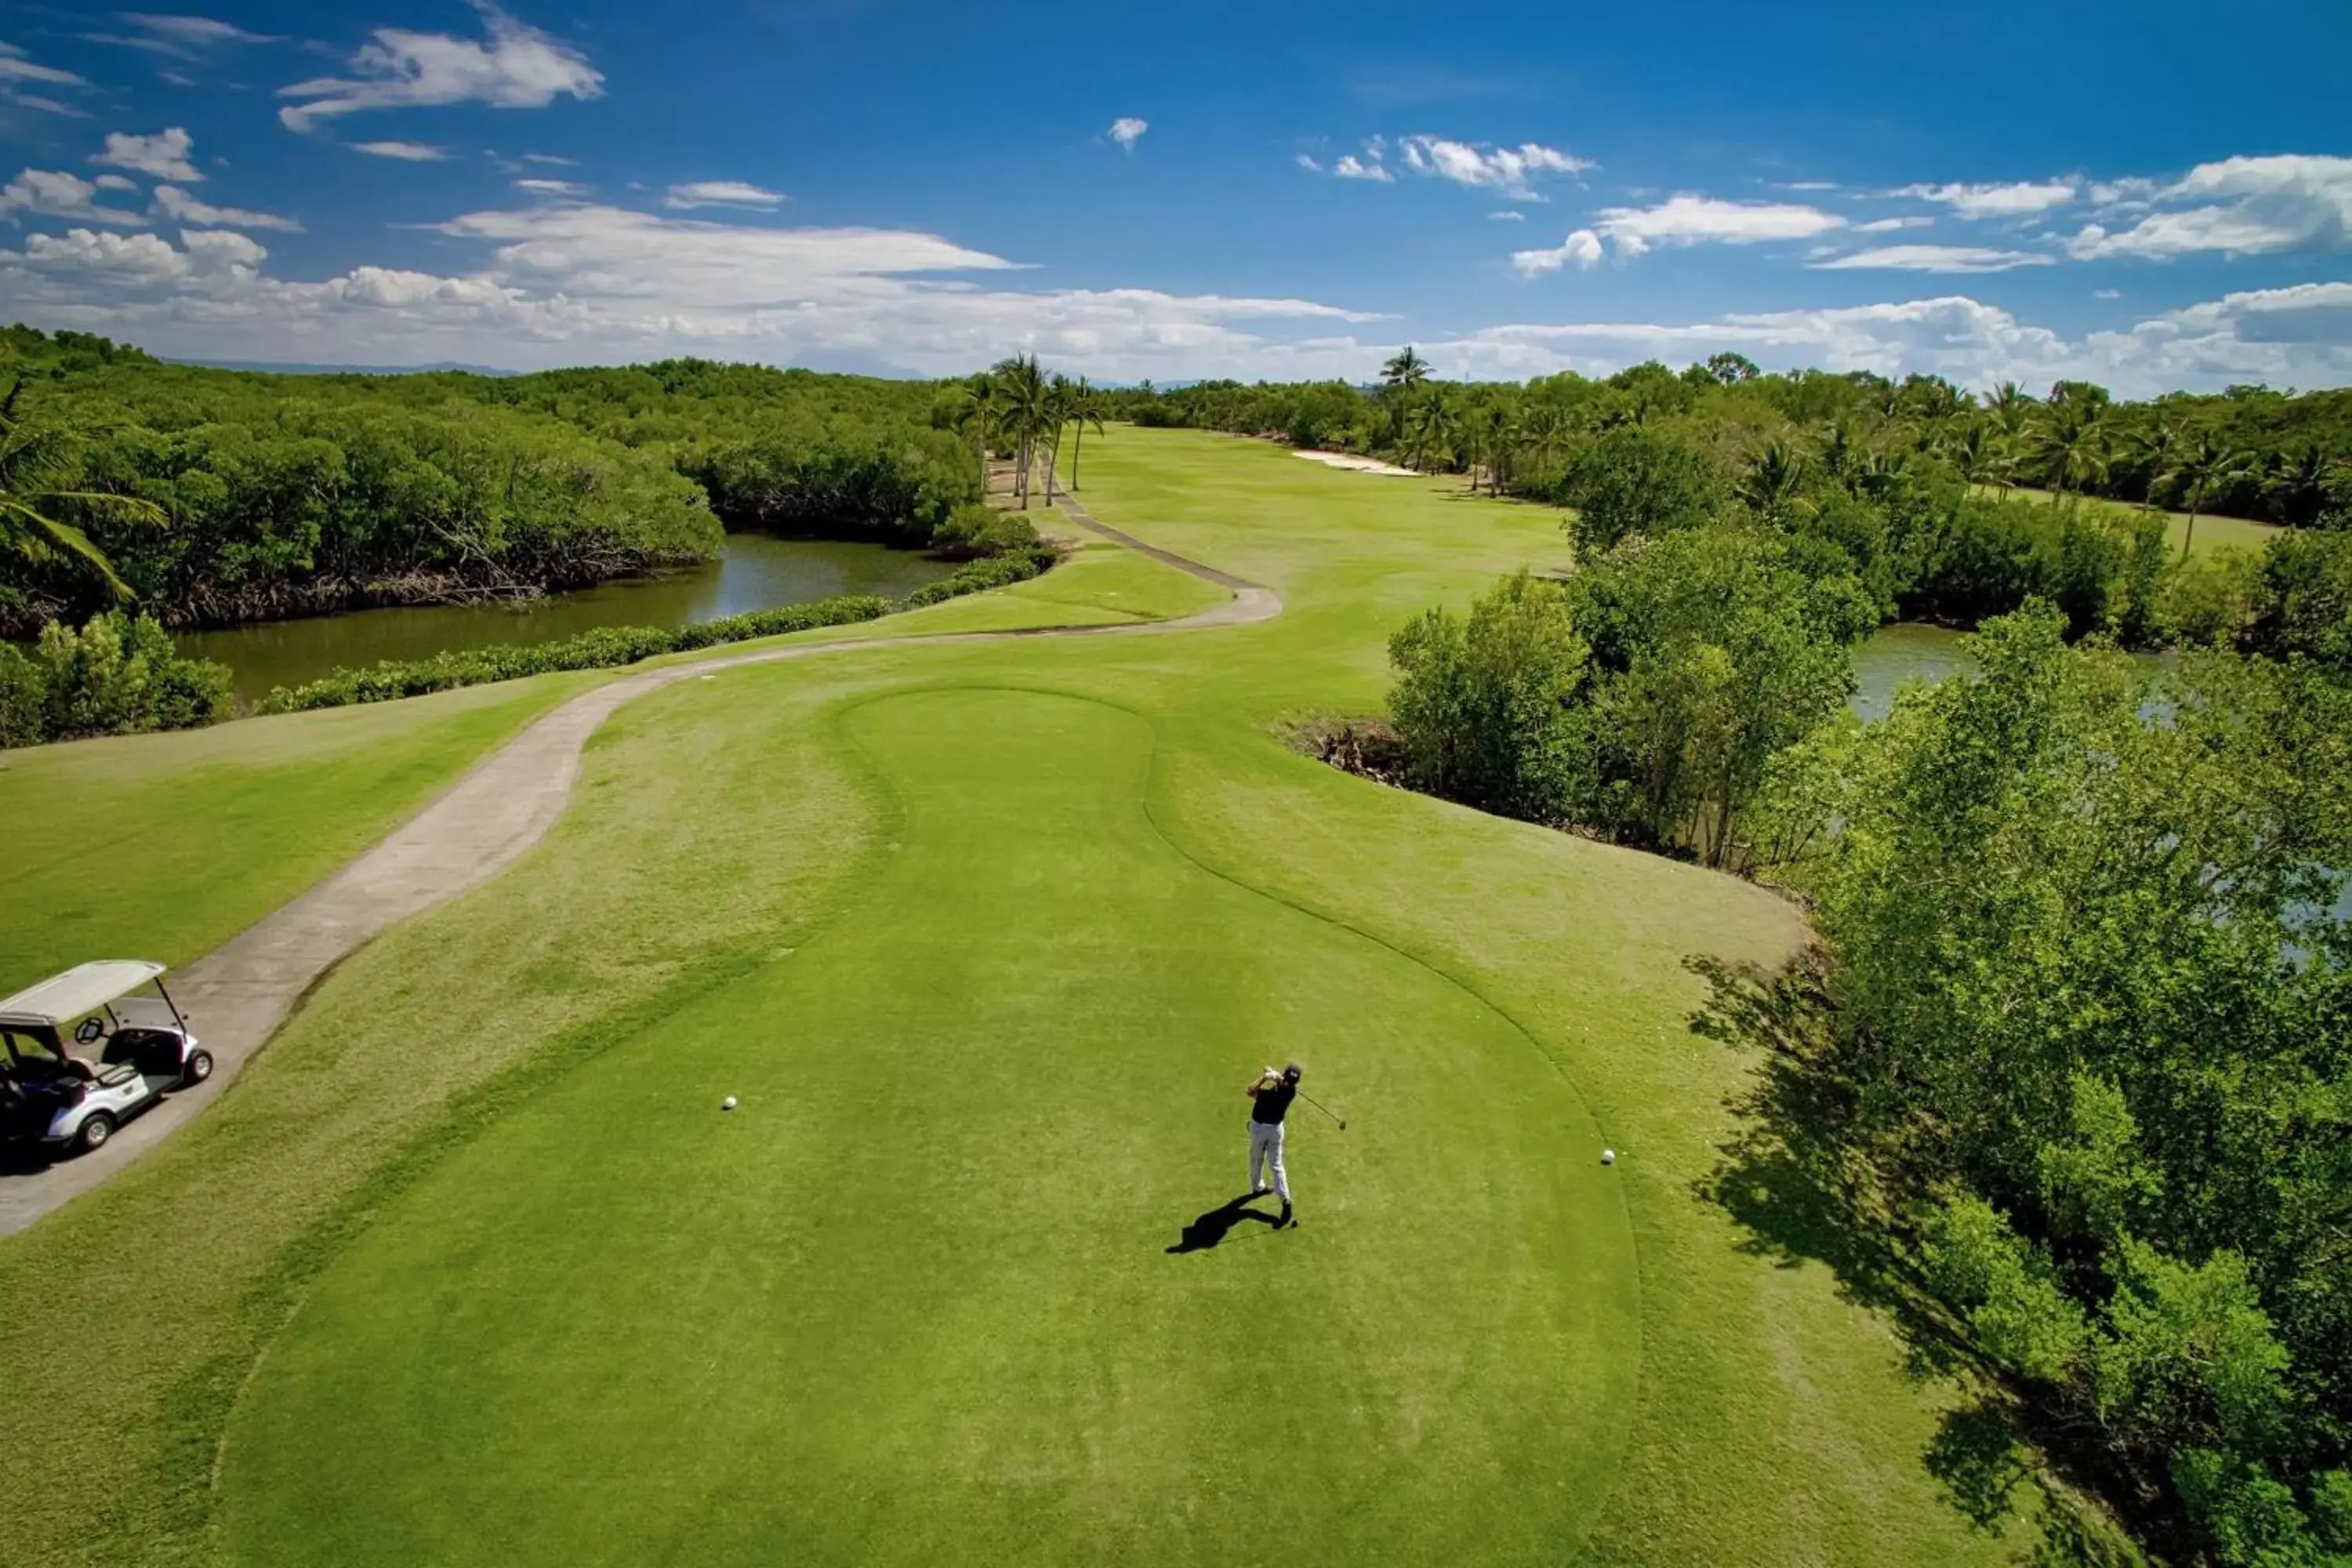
[[470, 1267], [163, 846], [2210, 532]]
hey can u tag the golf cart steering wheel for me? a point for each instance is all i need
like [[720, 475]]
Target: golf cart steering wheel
[[88, 1031]]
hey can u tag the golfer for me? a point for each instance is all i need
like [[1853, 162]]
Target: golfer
[[1271, 1096]]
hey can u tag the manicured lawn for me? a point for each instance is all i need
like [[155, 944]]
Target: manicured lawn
[[469, 1266]]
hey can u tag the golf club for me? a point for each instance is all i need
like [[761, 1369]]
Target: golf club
[[1320, 1106]]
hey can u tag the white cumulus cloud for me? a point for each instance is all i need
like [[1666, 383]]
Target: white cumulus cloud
[[164, 155], [2245, 206], [1350, 167], [518, 67], [53, 192], [1127, 130], [1580, 250], [1510, 170]]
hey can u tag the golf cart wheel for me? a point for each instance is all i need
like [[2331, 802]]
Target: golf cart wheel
[[199, 1068], [94, 1133]]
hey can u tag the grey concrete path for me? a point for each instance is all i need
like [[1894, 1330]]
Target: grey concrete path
[[239, 993]]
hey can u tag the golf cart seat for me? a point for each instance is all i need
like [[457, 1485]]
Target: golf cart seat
[[114, 1074]]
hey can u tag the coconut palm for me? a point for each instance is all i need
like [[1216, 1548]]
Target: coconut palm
[[1027, 406], [1548, 436], [2204, 463], [2297, 485], [1405, 372], [36, 460], [1057, 414], [1977, 454], [1773, 485], [982, 408], [1087, 407], [2154, 448], [2071, 444]]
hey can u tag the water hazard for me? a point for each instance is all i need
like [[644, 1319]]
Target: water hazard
[[756, 573]]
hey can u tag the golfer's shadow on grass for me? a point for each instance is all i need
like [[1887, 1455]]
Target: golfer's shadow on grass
[[1218, 1223]]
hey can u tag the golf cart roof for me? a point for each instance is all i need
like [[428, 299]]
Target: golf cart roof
[[84, 988]]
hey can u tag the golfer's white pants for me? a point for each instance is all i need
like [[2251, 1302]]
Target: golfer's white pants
[[1265, 1149]]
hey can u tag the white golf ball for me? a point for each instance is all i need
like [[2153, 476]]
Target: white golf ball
[[1608, 1156], [728, 1104]]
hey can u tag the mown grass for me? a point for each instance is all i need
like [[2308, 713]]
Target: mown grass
[[469, 1266], [2211, 533]]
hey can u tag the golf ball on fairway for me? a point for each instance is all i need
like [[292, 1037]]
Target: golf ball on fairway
[[1608, 1156], [728, 1104]]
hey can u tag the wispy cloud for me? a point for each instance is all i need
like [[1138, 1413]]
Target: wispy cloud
[[2022, 199], [518, 67], [537, 187], [1350, 167], [1933, 259], [406, 152], [721, 194], [16, 65], [182, 208], [1700, 220], [1506, 214], [1127, 130]]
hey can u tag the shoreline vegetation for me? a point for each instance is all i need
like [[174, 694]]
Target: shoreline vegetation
[[118, 675]]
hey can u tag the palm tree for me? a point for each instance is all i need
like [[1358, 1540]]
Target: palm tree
[[2297, 485], [1405, 374], [2154, 448], [1977, 455], [1548, 436], [1774, 484], [35, 461], [2071, 443], [1026, 403], [1086, 407], [2206, 463], [1404, 371], [1057, 414], [2012, 411], [982, 408]]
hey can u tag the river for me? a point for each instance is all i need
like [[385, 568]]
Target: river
[[756, 573]]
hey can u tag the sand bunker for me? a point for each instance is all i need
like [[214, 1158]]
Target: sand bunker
[[1360, 464]]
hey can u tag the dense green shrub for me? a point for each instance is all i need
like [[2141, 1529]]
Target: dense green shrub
[[977, 529], [114, 675], [1637, 481], [991, 572], [1485, 706]]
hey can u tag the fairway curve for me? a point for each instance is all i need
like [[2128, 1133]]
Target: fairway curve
[[240, 994], [915, 1300]]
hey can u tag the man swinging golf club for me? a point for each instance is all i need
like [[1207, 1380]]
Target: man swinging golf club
[[1271, 1096]]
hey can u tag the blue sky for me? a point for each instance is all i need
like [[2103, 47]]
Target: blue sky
[[2152, 195]]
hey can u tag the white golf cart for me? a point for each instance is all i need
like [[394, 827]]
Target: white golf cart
[[132, 1048]]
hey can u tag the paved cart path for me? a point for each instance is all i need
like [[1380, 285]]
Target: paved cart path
[[238, 995]]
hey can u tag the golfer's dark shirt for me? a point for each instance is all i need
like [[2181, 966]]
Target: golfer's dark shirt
[[1272, 1102]]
